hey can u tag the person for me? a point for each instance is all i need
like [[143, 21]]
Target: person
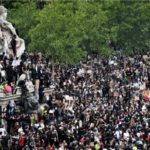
[[13, 45], [35, 75], [112, 116], [11, 108], [21, 141], [49, 147], [3, 131]]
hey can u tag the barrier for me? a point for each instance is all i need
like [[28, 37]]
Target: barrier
[[16, 97]]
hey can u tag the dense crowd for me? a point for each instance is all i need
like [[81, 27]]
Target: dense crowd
[[97, 104]]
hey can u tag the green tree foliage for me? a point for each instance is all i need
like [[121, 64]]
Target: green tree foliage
[[67, 30], [128, 24], [92, 23], [57, 34], [23, 15]]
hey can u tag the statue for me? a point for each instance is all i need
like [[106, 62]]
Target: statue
[[29, 102], [10, 42]]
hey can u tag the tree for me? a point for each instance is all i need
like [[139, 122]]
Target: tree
[[128, 24], [67, 30], [23, 15], [92, 24], [57, 35]]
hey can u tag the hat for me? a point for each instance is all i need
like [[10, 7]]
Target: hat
[[51, 111]]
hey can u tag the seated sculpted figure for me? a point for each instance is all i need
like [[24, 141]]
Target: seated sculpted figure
[[10, 42]]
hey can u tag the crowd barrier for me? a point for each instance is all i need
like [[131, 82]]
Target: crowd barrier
[[16, 97]]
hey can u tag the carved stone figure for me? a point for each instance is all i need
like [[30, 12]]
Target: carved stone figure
[[28, 101], [10, 42]]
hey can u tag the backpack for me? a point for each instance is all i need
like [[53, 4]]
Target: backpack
[[50, 148], [21, 141]]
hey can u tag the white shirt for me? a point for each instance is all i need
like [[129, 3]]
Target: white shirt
[[20, 130], [15, 63], [3, 131], [126, 135], [117, 134]]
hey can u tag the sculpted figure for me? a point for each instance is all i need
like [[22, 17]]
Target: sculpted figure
[[10, 42]]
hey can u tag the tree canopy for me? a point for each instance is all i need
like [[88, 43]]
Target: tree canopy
[[67, 30]]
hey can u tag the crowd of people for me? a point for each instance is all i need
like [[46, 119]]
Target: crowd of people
[[97, 104]]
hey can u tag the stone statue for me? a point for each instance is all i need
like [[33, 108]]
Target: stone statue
[[10, 42]]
